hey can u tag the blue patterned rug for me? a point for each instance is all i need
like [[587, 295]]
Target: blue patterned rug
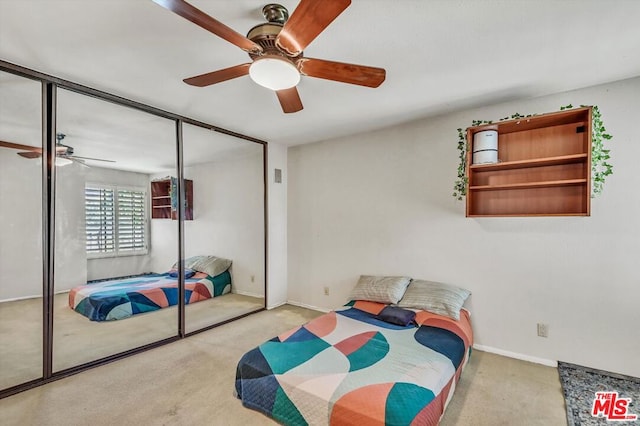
[[580, 385]]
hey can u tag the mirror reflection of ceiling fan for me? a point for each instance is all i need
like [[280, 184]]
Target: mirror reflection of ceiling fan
[[275, 49], [64, 153]]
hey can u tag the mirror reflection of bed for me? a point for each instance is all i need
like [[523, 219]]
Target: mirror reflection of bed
[[104, 229]]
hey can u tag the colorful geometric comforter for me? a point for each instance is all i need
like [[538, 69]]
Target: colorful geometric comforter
[[349, 368], [122, 298]]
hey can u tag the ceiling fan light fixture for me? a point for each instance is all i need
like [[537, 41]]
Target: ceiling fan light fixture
[[274, 73], [61, 161]]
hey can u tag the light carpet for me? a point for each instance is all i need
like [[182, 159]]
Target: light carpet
[[191, 382], [77, 340]]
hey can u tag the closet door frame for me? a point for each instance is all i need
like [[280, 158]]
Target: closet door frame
[[50, 84]]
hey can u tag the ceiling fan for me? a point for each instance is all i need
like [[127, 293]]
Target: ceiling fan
[[64, 153], [275, 48]]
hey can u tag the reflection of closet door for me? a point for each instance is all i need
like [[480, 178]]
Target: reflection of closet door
[[20, 231], [113, 290], [224, 243]]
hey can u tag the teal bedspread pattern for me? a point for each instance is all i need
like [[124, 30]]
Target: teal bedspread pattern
[[122, 298], [347, 367]]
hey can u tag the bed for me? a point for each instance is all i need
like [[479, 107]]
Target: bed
[[352, 366], [205, 277]]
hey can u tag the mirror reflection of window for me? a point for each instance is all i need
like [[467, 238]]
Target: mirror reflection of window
[[20, 230], [112, 283], [225, 239]]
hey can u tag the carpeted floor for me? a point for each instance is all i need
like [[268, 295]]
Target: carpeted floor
[[191, 382], [77, 340], [580, 384], [500, 391]]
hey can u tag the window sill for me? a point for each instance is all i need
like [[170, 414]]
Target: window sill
[[95, 256]]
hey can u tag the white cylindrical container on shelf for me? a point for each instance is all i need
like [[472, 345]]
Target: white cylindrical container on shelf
[[485, 147]]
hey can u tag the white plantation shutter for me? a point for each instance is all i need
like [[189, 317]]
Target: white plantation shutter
[[99, 207], [115, 221], [131, 221]]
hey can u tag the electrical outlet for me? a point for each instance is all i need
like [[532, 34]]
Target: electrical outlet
[[543, 330], [326, 291]]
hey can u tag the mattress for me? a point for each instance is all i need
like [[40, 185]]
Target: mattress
[[122, 298], [348, 367]]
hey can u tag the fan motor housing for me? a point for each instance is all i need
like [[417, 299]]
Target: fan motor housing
[[265, 34]]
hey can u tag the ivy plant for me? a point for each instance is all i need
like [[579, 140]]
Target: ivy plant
[[600, 167], [460, 187]]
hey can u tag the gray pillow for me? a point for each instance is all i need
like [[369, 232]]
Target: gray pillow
[[439, 298], [380, 289], [210, 265]]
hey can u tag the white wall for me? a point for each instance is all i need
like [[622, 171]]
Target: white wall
[[228, 221], [277, 261], [70, 268], [20, 226], [380, 203]]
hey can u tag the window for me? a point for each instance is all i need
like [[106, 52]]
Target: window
[[116, 221]]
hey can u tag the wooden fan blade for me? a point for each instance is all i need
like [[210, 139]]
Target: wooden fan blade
[[20, 146], [218, 76], [289, 100], [309, 19], [346, 73], [30, 154], [75, 157], [198, 17]]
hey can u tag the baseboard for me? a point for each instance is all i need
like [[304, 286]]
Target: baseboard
[[304, 305], [246, 293], [38, 296], [515, 355], [15, 299], [277, 305]]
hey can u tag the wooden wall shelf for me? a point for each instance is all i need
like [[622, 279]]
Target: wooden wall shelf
[[164, 199], [535, 162], [544, 184], [543, 169]]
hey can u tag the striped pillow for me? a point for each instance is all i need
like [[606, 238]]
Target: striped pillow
[[210, 265], [439, 298], [380, 289]]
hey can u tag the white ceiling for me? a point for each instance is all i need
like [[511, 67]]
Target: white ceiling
[[440, 55], [134, 140]]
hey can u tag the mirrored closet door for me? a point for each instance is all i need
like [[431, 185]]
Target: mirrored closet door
[[93, 243], [114, 290], [224, 230], [21, 304]]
